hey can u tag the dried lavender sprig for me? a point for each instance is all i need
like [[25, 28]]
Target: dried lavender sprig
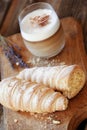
[[10, 52]]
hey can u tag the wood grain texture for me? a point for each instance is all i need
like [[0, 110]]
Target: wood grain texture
[[73, 53], [4, 5], [76, 9], [55, 3], [10, 24]]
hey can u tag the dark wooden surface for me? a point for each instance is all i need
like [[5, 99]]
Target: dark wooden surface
[[10, 9], [73, 53]]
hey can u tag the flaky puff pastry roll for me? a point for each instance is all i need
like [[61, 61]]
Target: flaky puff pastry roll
[[67, 79], [18, 94]]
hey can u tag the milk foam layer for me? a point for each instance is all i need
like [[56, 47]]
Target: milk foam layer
[[39, 33]]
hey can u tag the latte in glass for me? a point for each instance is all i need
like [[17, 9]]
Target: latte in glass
[[41, 30]]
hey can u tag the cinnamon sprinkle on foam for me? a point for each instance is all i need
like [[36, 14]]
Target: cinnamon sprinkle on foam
[[40, 20]]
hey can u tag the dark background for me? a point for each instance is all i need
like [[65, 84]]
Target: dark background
[[10, 9]]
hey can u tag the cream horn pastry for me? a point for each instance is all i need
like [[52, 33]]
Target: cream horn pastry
[[67, 79], [17, 94]]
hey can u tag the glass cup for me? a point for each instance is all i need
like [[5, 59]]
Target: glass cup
[[41, 30]]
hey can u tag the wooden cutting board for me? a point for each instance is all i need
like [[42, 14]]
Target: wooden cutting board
[[73, 53]]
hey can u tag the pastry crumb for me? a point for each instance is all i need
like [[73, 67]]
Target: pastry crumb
[[38, 59], [62, 63], [15, 120], [49, 118], [17, 63], [56, 122]]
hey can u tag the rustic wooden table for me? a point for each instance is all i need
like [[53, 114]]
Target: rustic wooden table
[[10, 9]]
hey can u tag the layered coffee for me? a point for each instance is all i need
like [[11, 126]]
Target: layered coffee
[[42, 32]]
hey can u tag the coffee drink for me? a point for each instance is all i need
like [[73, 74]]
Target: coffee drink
[[41, 30]]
